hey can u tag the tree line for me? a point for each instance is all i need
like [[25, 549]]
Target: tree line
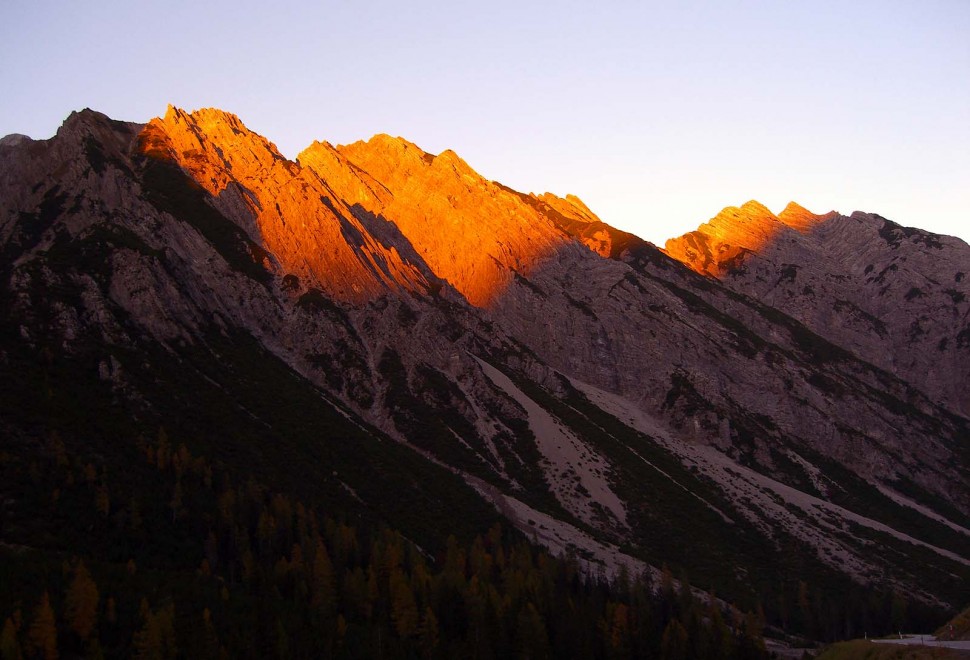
[[174, 559]]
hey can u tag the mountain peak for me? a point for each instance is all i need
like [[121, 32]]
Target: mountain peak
[[473, 233], [14, 139], [801, 219], [83, 121], [217, 128], [723, 242], [449, 158], [748, 225], [793, 207], [211, 145], [570, 206], [756, 208], [204, 116], [390, 144]]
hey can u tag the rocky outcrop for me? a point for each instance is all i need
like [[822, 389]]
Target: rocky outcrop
[[475, 234], [307, 228], [723, 243], [894, 296]]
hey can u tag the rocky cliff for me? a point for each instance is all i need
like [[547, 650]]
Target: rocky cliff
[[475, 234], [895, 297]]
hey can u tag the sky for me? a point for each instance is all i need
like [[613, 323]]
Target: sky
[[656, 114]]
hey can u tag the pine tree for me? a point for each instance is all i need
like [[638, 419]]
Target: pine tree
[[9, 645], [102, 501], [94, 650], [355, 593], [428, 633], [667, 594], [164, 452], [211, 639], [753, 629], [176, 502], [212, 550], [134, 515], [373, 591], [156, 639], [897, 612], [282, 641], [57, 448], [322, 589], [404, 609], [341, 627], [454, 568], [721, 640], [806, 619], [619, 630], [81, 602], [148, 640], [532, 641], [674, 644], [43, 630]]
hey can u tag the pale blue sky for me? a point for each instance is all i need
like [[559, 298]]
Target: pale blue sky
[[656, 114]]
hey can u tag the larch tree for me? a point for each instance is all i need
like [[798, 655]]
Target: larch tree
[[674, 644], [156, 639], [428, 633], [404, 609], [323, 592], [9, 645], [531, 639], [81, 602], [43, 630]]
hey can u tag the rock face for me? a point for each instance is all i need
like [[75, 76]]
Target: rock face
[[792, 391], [475, 234], [723, 243], [309, 231], [896, 297]]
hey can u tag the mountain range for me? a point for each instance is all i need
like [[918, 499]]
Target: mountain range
[[772, 408]]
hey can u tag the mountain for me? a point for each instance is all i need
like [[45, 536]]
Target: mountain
[[894, 296], [393, 342]]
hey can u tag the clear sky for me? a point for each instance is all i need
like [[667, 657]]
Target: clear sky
[[656, 114]]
